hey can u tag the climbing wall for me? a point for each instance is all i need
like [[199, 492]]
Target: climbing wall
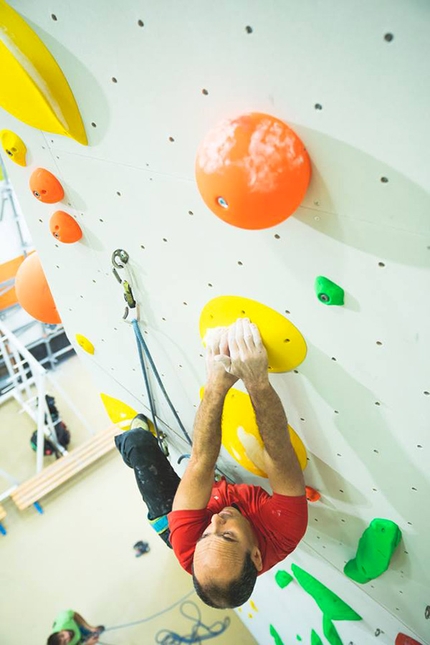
[[151, 80]]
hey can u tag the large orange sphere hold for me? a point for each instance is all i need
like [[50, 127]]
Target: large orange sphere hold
[[252, 171], [33, 292]]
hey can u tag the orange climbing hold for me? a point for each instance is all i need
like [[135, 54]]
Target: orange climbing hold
[[33, 292], [252, 171], [312, 495], [65, 228], [45, 186]]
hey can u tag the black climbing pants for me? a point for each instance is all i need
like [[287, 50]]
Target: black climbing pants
[[155, 477]]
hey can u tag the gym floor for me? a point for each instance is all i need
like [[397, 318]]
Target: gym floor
[[79, 554]]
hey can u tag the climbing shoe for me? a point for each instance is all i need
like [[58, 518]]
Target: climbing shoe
[[140, 421]]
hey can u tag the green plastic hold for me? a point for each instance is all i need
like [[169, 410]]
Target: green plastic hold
[[328, 292], [330, 604], [274, 633], [283, 578], [375, 549], [330, 632], [315, 639]]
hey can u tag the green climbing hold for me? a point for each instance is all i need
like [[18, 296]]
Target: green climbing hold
[[375, 549], [330, 604], [330, 632], [315, 639], [299, 638], [283, 578], [274, 633], [328, 292]]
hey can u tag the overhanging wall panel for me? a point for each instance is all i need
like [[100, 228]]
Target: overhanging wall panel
[[360, 105]]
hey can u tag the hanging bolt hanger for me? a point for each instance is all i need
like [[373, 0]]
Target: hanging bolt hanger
[[119, 259]]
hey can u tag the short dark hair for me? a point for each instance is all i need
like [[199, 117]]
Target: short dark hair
[[235, 594], [54, 639]]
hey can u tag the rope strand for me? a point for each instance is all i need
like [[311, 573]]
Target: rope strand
[[142, 344]]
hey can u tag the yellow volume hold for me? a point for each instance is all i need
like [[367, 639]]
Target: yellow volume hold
[[32, 86]]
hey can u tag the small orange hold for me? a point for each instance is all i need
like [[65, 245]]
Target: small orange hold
[[252, 171], [65, 228], [33, 292], [312, 495], [45, 186]]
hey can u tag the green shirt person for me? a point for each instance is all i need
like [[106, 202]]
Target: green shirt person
[[70, 629]]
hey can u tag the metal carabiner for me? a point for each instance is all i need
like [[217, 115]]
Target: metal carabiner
[[119, 258], [124, 257], [128, 295]]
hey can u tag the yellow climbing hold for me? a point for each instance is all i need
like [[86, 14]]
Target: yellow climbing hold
[[85, 343], [118, 411], [13, 146], [32, 86], [252, 603], [286, 347], [240, 436]]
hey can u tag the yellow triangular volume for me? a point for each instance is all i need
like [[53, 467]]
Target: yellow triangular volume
[[118, 411], [32, 86], [241, 437]]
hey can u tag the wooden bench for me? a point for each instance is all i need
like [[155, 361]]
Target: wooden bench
[[32, 490]]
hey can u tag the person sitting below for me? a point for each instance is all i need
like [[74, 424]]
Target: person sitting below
[[70, 629], [223, 534]]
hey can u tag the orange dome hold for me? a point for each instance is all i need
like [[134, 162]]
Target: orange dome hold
[[312, 495], [64, 227], [252, 171], [33, 292], [45, 186]]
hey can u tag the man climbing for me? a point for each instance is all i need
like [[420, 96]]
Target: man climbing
[[70, 629], [224, 534]]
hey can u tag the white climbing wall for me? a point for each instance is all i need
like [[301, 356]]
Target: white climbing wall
[[351, 78]]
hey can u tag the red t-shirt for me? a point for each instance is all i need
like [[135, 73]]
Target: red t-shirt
[[279, 522]]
